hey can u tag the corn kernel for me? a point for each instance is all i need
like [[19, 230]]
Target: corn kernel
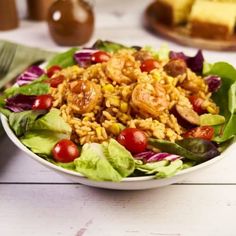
[[115, 129], [114, 101], [124, 118], [108, 88], [124, 106]]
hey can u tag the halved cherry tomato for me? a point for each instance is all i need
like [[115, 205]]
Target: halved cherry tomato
[[43, 102], [65, 151], [149, 65], [203, 132], [55, 81], [100, 56], [133, 139], [197, 104], [52, 70]]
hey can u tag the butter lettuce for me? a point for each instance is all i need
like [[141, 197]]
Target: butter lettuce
[[105, 162], [46, 132], [20, 122], [161, 169], [161, 54], [93, 164], [120, 158]]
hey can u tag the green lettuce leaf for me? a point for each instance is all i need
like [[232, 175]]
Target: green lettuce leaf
[[151, 167], [53, 122], [68, 165], [187, 164], [170, 170], [20, 122], [161, 169], [108, 46], [94, 165], [46, 132], [105, 162], [194, 149], [29, 89], [162, 54], [4, 111], [41, 142], [120, 158], [206, 68], [225, 98], [63, 59]]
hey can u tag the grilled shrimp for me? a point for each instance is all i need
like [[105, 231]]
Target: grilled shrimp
[[84, 96], [149, 99], [121, 69]]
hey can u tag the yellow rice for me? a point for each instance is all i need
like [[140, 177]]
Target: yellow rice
[[116, 110]]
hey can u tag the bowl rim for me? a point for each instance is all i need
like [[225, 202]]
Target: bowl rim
[[46, 163]]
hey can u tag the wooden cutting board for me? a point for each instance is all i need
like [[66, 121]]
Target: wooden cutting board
[[181, 34]]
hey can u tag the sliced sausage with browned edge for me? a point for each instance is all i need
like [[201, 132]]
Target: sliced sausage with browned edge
[[186, 116]]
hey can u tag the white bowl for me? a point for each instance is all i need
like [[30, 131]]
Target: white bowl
[[131, 183]]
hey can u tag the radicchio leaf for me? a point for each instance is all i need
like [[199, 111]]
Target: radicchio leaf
[[213, 82], [31, 74], [83, 57], [150, 156], [20, 102]]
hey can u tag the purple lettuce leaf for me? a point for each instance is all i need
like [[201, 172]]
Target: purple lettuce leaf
[[150, 156], [83, 57], [31, 74], [213, 82], [195, 63], [20, 102]]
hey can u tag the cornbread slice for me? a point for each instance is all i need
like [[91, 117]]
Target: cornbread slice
[[212, 20], [173, 12]]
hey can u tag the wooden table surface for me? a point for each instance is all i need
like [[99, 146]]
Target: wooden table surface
[[35, 201]]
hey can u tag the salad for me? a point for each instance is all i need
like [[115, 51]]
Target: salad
[[112, 111]]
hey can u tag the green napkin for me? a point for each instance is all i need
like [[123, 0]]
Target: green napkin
[[24, 57]]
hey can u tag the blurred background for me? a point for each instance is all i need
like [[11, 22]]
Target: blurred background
[[125, 16]]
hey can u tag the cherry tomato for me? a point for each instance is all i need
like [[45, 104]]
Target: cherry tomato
[[148, 65], [65, 151], [100, 56], [55, 81], [133, 139], [203, 132], [43, 102], [197, 104], [52, 70]]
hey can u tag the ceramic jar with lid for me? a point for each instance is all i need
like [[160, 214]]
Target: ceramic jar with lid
[[71, 22]]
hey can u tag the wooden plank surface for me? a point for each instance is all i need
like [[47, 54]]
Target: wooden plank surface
[[74, 210]]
